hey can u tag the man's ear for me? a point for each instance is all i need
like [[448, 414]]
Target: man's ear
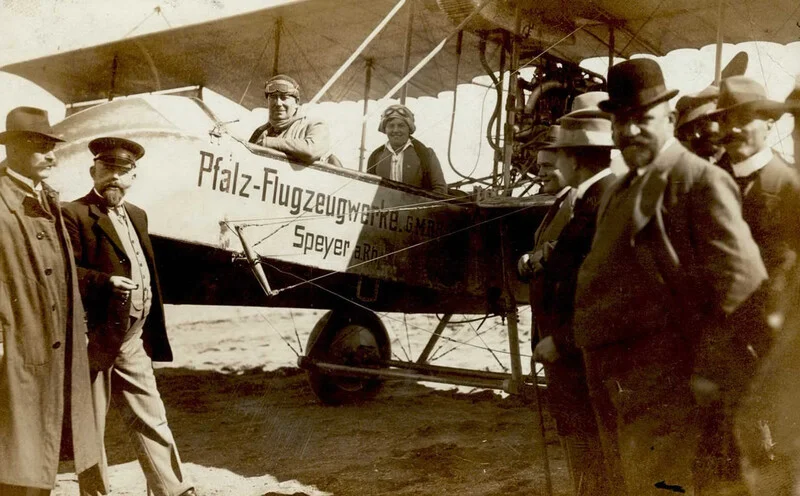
[[92, 171]]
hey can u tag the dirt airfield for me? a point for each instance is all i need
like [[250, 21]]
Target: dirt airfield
[[247, 423]]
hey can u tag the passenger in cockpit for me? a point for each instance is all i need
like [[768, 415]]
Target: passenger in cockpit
[[403, 158], [289, 130]]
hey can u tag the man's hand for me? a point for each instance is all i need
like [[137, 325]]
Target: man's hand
[[706, 392], [122, 285], [530, 263], [546, 351]]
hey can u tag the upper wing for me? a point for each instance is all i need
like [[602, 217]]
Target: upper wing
[[233, 55]]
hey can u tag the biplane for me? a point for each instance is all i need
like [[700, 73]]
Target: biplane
[[237, 224]]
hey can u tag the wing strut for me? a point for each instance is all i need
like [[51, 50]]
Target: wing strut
[[407, 51], [357, 52], [363, 149], [436, 50], [718, 56], [255, 264]]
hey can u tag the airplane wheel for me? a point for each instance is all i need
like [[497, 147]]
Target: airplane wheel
[[355, 342]]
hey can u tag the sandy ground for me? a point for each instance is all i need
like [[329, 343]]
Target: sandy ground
[[247, 423]]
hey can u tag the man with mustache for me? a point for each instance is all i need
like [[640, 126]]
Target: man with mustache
[[770, 190], [120, 291], [45, 396], [671, 259], [694, 129], [288, 130]]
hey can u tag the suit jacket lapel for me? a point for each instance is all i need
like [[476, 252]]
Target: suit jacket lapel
[[104, 223], [137, 219], [651, 187]]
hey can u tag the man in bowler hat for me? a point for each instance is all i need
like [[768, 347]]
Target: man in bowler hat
[[119, 286], [45, 396], [583, 156], [672, 257]]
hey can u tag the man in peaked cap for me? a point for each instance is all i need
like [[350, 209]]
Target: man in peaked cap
[[43, 360], [120, 290], [694, 129], [288, 130], [672, 257], [583, 156]]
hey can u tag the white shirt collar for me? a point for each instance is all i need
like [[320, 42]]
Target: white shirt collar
[[36, 187], [584, 186], [401, 150], [641, 170], [752, 164]]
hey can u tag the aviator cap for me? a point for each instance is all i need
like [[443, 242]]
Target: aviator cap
[[116, 151], [397, 111]]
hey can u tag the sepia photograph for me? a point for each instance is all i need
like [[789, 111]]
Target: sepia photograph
[[399, 247]]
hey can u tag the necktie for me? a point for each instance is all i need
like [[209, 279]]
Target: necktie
[[745, 183]]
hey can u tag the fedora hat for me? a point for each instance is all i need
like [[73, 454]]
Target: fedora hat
[[690, 108], [635, 84], [546, 138], [120, 152], [586, 125], [586, 105], [25, 122], [793, 100], [742, 94]]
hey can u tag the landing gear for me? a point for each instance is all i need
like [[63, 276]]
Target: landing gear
[[354, 339]]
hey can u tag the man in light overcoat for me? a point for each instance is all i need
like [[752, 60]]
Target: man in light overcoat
[[45, 397]]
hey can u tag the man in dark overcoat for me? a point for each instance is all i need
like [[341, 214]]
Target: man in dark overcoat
[[119, 286], [767, 424], [583, 156], [672, 257], [45, 396]]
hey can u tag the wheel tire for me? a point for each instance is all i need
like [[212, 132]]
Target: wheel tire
[[358, 343]]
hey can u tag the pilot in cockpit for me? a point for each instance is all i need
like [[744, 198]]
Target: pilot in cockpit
[[288, 129]]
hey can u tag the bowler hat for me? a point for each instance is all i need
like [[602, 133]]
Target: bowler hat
[[586, 125], [742, 94], [26, 122], [116, 151], [693, 107], [635, 84]]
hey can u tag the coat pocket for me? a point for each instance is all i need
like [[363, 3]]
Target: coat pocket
[[27, 332]]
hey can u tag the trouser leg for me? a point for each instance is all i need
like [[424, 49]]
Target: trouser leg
[[134, 392]]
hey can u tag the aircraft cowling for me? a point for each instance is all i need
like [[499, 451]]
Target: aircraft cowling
[[499, 14]]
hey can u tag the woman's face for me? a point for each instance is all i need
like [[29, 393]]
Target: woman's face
[[398, 132]]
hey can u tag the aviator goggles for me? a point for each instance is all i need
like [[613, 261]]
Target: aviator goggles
[[283, 87], [401, 111]]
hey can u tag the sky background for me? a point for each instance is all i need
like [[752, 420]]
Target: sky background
[[36, 28]]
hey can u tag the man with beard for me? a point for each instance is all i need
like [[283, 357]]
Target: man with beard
[[287, 129], [583, 157], [45, 395], [694, 129], [672, 257], [120, 291]]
